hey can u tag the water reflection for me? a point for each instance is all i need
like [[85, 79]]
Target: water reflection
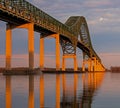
[[91, 82], [8, 92], [31, 91], [69, 98], [42, 91], [67, 93], [57, 91]]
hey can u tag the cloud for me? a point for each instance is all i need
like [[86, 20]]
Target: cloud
[[96, 3], [93, 10]]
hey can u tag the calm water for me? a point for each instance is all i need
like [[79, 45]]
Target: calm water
[[89, 90]]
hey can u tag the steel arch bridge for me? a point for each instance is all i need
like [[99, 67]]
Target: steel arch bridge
[[22, 14]]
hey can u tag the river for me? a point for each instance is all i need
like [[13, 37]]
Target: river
[[80, 90]]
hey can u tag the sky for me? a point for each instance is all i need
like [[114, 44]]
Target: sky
[[103, 21]]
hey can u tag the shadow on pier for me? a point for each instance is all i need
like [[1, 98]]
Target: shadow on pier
[[20, 71], [27, 71]]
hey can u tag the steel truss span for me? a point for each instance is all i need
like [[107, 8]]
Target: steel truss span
[[74, 33]]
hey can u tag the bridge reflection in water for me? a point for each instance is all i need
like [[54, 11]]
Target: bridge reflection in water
[[67, 93]]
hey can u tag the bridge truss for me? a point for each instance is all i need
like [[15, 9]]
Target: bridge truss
[[22, 14]]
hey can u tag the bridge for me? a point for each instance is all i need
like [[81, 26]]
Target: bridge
[[74, 33]]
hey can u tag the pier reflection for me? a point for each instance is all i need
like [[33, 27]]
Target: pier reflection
[[57, 91], [42, 91], [67, 93], [8, 92], [69, 97], [31, 92], [91, 82]]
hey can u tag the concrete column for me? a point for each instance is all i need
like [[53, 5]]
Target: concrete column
[[97, 66], [31, 45], [57, 37], [8, 46], [75, 63], [63, 63], [94, 64], [89, 65], [57, 51], [69, 56], [41, 53], [41, 91], [83, 66], [31, 91], [8, 92]]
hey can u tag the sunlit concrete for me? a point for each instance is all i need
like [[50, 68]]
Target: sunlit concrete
[[69, 56]]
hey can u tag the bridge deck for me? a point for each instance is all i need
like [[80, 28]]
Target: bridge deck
[[21, 12]]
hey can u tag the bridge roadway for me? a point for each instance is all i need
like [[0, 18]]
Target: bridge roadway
[[20, 12]]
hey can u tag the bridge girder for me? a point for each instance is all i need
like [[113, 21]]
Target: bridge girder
[[79, 25], [20, 12]]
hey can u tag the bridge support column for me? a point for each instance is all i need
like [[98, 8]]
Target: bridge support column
[[31, 45], [63, 63], [57, 37], [83, 66], [75, 64], [69, 56], [94, 64], [8, 46], [41, 53], [97, 65], [57, 51], [30, 27], [89, 62], [89, 65]]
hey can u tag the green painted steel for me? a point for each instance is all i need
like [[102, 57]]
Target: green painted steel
[[79, 25], [75, 26]]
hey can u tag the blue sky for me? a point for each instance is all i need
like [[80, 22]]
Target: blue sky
[[102, 17]]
